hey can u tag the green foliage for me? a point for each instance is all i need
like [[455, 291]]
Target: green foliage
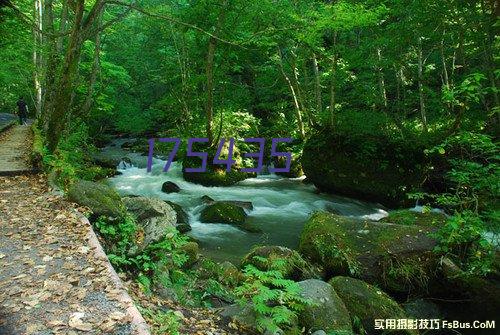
[[275, 300], [71, 160], [462, 239], [163, 322], [472, 177], [124, 249]]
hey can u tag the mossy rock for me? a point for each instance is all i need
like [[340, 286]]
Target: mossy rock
[[367, 303], [192, 251], [409, 217], [182, 216], [295, 167], [100, 198], [396, 257], [369, 167], [223, 213], [291, 264], [327, 311]]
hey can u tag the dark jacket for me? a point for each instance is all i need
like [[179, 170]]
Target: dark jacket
[[22, 107]]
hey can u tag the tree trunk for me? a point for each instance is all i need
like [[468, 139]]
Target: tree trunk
[[212, 43], [37, 55], [96, 65], [333, 82], [421, 85], [63, 96], [381, 80], [317, 85], [296, 104]]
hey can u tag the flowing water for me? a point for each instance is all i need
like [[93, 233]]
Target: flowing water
[[281, 206]]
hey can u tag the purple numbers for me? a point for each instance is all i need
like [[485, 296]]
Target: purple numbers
[[218, 160], [202, 155], [171, 156], [229, 161], [287, 155], [259, 155]]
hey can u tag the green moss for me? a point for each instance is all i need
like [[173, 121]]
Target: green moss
[[100, 198], [366, 302], [221, 212], [360, 248], [192, 251], [374, 168], [408, 217], [287, 261]]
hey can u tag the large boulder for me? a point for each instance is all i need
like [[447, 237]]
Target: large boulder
[[170, 187], [326, 312], [367, 303], [244, 204], [221, 212], [287, 261], [100, 198], [410, 217], [370, 167], [154, 216], [399, 258], [144, 207]]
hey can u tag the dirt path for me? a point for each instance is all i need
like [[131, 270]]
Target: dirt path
[[15, 144], [50, 280]]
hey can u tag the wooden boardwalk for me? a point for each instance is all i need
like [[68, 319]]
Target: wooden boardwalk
[[15, 148]]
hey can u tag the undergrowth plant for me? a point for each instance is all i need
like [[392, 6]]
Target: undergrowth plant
[[274, 300], [123, 242]]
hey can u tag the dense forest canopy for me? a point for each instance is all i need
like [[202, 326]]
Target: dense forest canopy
[[282, 66]]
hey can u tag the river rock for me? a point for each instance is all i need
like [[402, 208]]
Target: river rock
[[422, 309], [292, 266], [106, 161], [100, 198], [192, 251], [396, 257], [409, 217], [170, 187], [295, 167], [371, 167], [244, 204], [367, 303], [144, 207], [223, 213], [327, 312], [154, 215]]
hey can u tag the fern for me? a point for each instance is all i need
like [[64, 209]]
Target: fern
[[274, 299]]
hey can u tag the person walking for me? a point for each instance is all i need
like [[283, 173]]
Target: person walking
[[22, 110]]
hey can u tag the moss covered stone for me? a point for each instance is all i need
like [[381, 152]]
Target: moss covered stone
[[100, 198], [409, 217], [397, 257], [287, 261], [367, 303], [327, 311], [370, 167], [192, 251], [221, 212]]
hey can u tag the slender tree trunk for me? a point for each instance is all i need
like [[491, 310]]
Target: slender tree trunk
[[96, 65], [381, 80], [317, 85], [296, 104], [37, 55], [333, 82], [209, 70], [421, 85]]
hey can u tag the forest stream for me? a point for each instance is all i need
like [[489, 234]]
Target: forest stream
[[281, 206]]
